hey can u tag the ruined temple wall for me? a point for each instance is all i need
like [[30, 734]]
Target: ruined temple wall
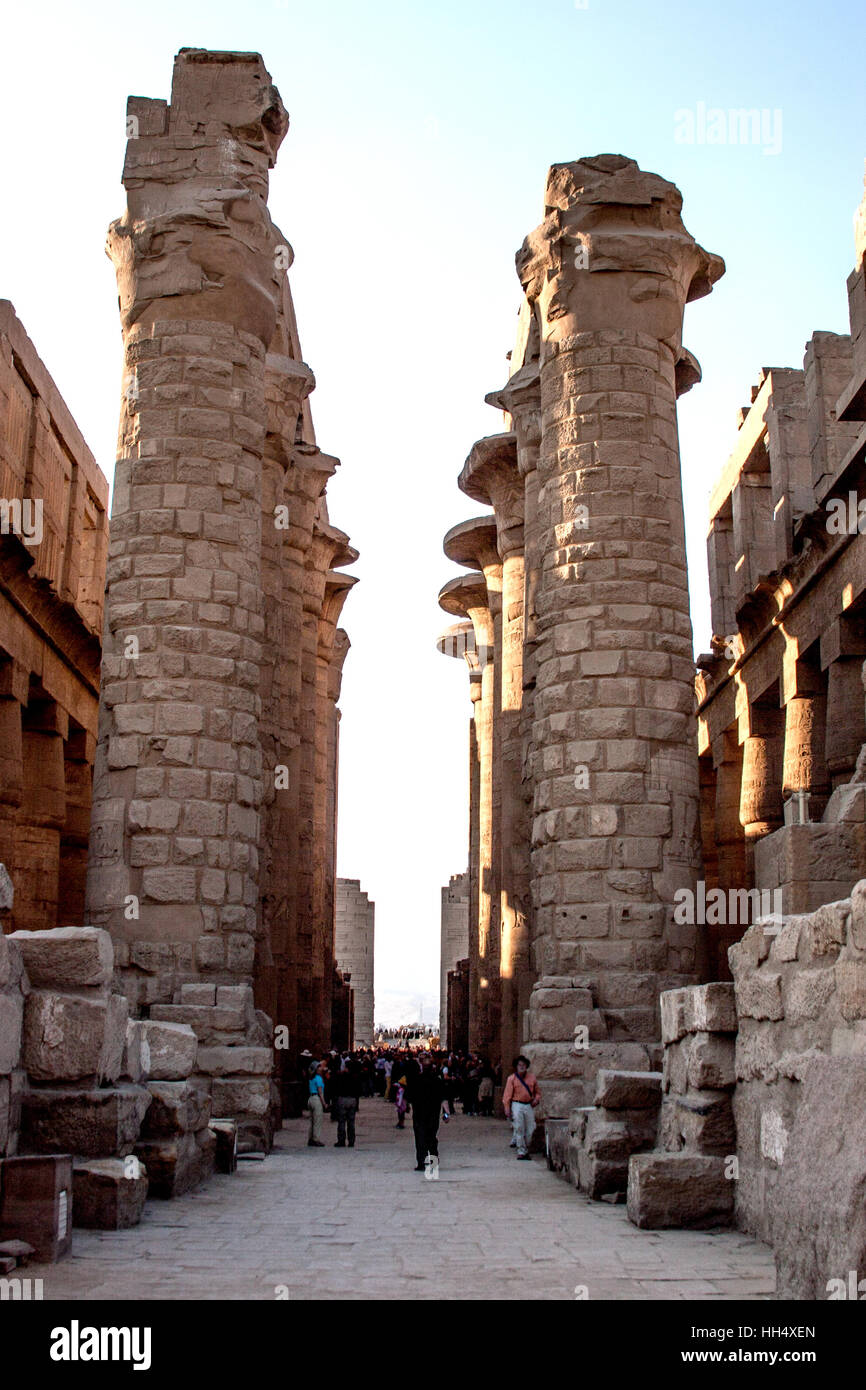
[[354, 947], [53, 546]]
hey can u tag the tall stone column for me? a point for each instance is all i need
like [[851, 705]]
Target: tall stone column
[[178, 778], [13, 696], [459, 641], [616, 830], [35, 869], [468, 596], [843, 650], [804, 762], [491, 475], [761, 808]]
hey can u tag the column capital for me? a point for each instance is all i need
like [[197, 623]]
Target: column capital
[[459, 641], [520, 398], [490, 475], [475, 544], [604, 214]]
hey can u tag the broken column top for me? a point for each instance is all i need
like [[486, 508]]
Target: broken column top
[[473, 543], [604, 213], [196, 240]]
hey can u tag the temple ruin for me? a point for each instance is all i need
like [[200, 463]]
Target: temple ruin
[[166, 1011], [694, 993]]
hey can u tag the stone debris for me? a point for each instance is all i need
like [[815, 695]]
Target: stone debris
[[108, 1194]]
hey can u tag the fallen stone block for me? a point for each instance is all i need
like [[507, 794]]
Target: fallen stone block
[[817, 1212], [557, 1136], [235, 1061], [175, 1166], [171, 1049], [628, 1090], [225, 1133], [64, 1035], [177, 1107], [702, 1122], [241, 1096], [674, 1014], [679, 1190], [67, 958], [90, 1123], [108, 1194]]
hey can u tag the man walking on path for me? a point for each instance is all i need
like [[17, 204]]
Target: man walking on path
[[519, 1099], [317, 1105], [426, 1095]]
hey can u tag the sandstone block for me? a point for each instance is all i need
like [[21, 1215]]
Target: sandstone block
[[674, 1014], [818, 1216], [64, 1036], [858, 916], [11, 1025], [108, 1194], [759, 994], [807, 994], [675, 1066], [67, 958], [136, 1053], [175, 1166], [711, 1062], [679, 1190], [11, 966], [212, 1026], [850, 981], [172, 1049], [241, 1096], [89, 1123], [235, 1061], [177, 1107], [628, 1090], [712, 1008], [198, 994], [705, 1121]]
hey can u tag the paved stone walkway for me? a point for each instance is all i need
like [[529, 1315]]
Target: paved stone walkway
[[360, 1223]]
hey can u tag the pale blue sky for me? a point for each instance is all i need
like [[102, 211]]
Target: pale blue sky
[[414, 166]]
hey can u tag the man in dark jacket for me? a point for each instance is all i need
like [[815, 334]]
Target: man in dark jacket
[[346, 1089], [426, 1095]]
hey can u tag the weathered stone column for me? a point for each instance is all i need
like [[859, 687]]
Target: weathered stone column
[[804, 762], [491, 475], [616, 829], [761, 809], [13, 696], [459, 641], [843, 650], [178, 779], [35, 868], [468, 596]]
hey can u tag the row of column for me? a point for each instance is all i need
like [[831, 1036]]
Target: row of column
[[588, 803]]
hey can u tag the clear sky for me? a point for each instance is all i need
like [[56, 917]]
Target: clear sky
[[414, 166]]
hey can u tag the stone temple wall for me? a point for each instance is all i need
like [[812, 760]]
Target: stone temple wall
[[454, 922], [53, 547]]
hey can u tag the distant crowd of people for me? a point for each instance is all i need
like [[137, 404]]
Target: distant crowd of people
[[426, 1085]]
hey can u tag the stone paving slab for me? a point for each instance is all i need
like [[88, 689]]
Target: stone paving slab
[[362, 1224]]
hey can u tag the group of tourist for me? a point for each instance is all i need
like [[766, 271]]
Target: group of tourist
[[426, 1084]]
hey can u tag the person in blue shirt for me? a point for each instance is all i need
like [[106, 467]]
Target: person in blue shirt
[[317, 1105]]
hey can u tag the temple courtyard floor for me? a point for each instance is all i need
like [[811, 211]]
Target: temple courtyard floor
[[362, 1224]]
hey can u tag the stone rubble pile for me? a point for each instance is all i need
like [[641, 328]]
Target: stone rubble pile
[[688, 1179]]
